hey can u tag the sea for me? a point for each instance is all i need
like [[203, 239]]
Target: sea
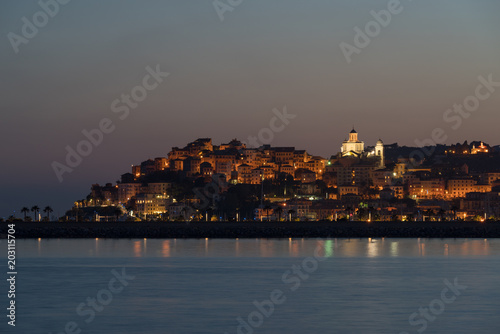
[[179, 286]]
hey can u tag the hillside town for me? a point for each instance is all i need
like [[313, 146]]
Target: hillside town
[[207, 182]]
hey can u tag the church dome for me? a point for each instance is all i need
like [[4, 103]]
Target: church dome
[[380, 142], [353, 131]]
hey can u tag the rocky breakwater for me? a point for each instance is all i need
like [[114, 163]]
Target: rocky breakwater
[[252, 229]]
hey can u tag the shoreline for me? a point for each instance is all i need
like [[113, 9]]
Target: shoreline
[[232, 230]]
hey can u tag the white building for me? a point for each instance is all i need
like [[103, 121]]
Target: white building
[[356, 148], [379, 152], [352, 146]]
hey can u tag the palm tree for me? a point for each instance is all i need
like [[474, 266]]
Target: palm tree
[[76, 210], [35, 209], [279, 211], [48, 210], [25, 210]]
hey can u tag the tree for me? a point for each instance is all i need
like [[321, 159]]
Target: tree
[[25, 210], [184, 211], [35, 209], [197, 216], [165, 216], [117, 212], [441, 214], [454, 209], [75, 211], [349, 210], [48, 210], [362, 214], [267, 208], [279, 211], [429, 213]]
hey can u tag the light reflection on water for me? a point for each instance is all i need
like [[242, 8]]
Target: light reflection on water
[[203, 286], [371, 247], [165, 249]]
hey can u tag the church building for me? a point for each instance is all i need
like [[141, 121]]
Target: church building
[[356, 148], [352, 147]]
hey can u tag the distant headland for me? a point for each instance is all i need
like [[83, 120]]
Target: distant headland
[[236, 181]]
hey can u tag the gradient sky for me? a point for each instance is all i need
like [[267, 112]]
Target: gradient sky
[[225, 79]]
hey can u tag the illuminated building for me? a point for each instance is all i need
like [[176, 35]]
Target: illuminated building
[[344, 190], [127, 190], [352, 147], [490, 177], [480, 149], [459, 188], [427, 189], [151, 204]]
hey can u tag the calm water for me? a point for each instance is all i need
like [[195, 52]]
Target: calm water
[[205, 286]]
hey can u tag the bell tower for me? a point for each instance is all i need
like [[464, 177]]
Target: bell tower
[[353, 136], [379, 152]]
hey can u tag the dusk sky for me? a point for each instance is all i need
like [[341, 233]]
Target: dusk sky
[[225, 79]]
